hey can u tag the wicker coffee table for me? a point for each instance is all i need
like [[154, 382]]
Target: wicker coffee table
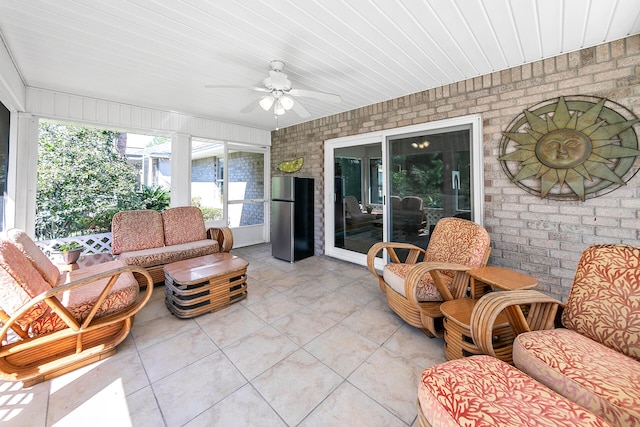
[[204, 284]]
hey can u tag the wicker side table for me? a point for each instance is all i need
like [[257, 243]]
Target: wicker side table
[[457, 313]]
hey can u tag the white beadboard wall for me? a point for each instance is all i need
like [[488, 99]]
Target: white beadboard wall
[[75, 108]]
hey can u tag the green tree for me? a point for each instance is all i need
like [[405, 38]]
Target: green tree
[[82, 181]]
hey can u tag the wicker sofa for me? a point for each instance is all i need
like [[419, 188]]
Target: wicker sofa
[[51, 321], [151, 239], [593, 360]]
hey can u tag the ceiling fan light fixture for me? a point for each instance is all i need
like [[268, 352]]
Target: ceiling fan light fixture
[[266, 102], [278, 108], [286, 101]]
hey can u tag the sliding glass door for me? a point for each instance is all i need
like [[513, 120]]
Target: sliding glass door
[[395, 186]]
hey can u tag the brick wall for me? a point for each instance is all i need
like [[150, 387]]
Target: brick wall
[[538, 236]]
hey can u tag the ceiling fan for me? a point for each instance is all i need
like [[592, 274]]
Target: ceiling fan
[[280, 94]]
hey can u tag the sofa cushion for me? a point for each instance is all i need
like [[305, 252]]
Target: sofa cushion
[[183, 224], [596, 377], [40, 261], [168, 254], [484, 391], [136, 230], [80, 301], [19, 283], [604, 301], [394, 275]]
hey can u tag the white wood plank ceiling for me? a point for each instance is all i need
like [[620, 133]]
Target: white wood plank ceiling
[[161, 54]]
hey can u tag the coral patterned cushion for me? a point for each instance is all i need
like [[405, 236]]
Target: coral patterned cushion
[[40, 261], [484, 391], [458, 241], [136, 230], [394, 275], [604, 302], [454, 240], [183, 224], [598, 378], [81, 300], [169, 254], [19, 283]]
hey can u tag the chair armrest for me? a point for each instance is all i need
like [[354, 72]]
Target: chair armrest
[[53, 296], [541, 314], [223, 235], [459, 285], [376, 248]]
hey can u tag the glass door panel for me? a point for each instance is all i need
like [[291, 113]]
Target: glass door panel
[[429, 178], [358, 213]]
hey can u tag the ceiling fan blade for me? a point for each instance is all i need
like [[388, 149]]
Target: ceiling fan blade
[[250, 107], [253, 88], [300, 110], [322, 96]]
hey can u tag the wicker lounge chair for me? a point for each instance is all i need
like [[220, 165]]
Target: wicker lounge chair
[[52, 322], [417, 286]]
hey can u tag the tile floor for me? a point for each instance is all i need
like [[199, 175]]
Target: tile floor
[[314, 344]]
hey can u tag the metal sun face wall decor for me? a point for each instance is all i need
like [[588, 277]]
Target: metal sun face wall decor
[[571, 148]]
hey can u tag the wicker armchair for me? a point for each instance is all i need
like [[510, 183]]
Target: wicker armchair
[[417, 286]]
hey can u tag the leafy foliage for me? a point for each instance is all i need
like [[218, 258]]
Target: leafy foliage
[[83, 181]]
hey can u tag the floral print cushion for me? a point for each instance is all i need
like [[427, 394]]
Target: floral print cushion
[[458, 241], [604, 381], [81, 300], [168, 254], [136, 230], [183, 224], [454, 240], [20, 281], [604, 302], [39, 260], [484, 391], [394, 275]]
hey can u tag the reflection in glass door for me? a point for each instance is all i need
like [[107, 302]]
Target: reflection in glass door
[[429, 179], [358, 213]]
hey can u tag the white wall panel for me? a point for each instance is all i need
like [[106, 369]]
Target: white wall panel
[[62, 106], [12, 89]]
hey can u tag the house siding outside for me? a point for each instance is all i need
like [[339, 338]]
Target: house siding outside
[[540, 237]]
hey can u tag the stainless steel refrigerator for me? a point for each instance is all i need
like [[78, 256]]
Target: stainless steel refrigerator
[[291, 218]]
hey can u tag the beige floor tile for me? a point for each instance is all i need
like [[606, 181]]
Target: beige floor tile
[[362, 291], [143, 409], [296, 385], [275, 307], [306, 293], [335, 306], [185, 394], [412, 344], [23, 407], [232, 327], [98, 391], [159, 330], [373, 324], [303, 325], [244, 407], [341, 349], [348, 406], [155, 307], [259, 351], [389, 380], [177, 352]]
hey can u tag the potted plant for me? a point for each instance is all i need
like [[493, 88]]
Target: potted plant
[[70, 251], [369, 208]]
